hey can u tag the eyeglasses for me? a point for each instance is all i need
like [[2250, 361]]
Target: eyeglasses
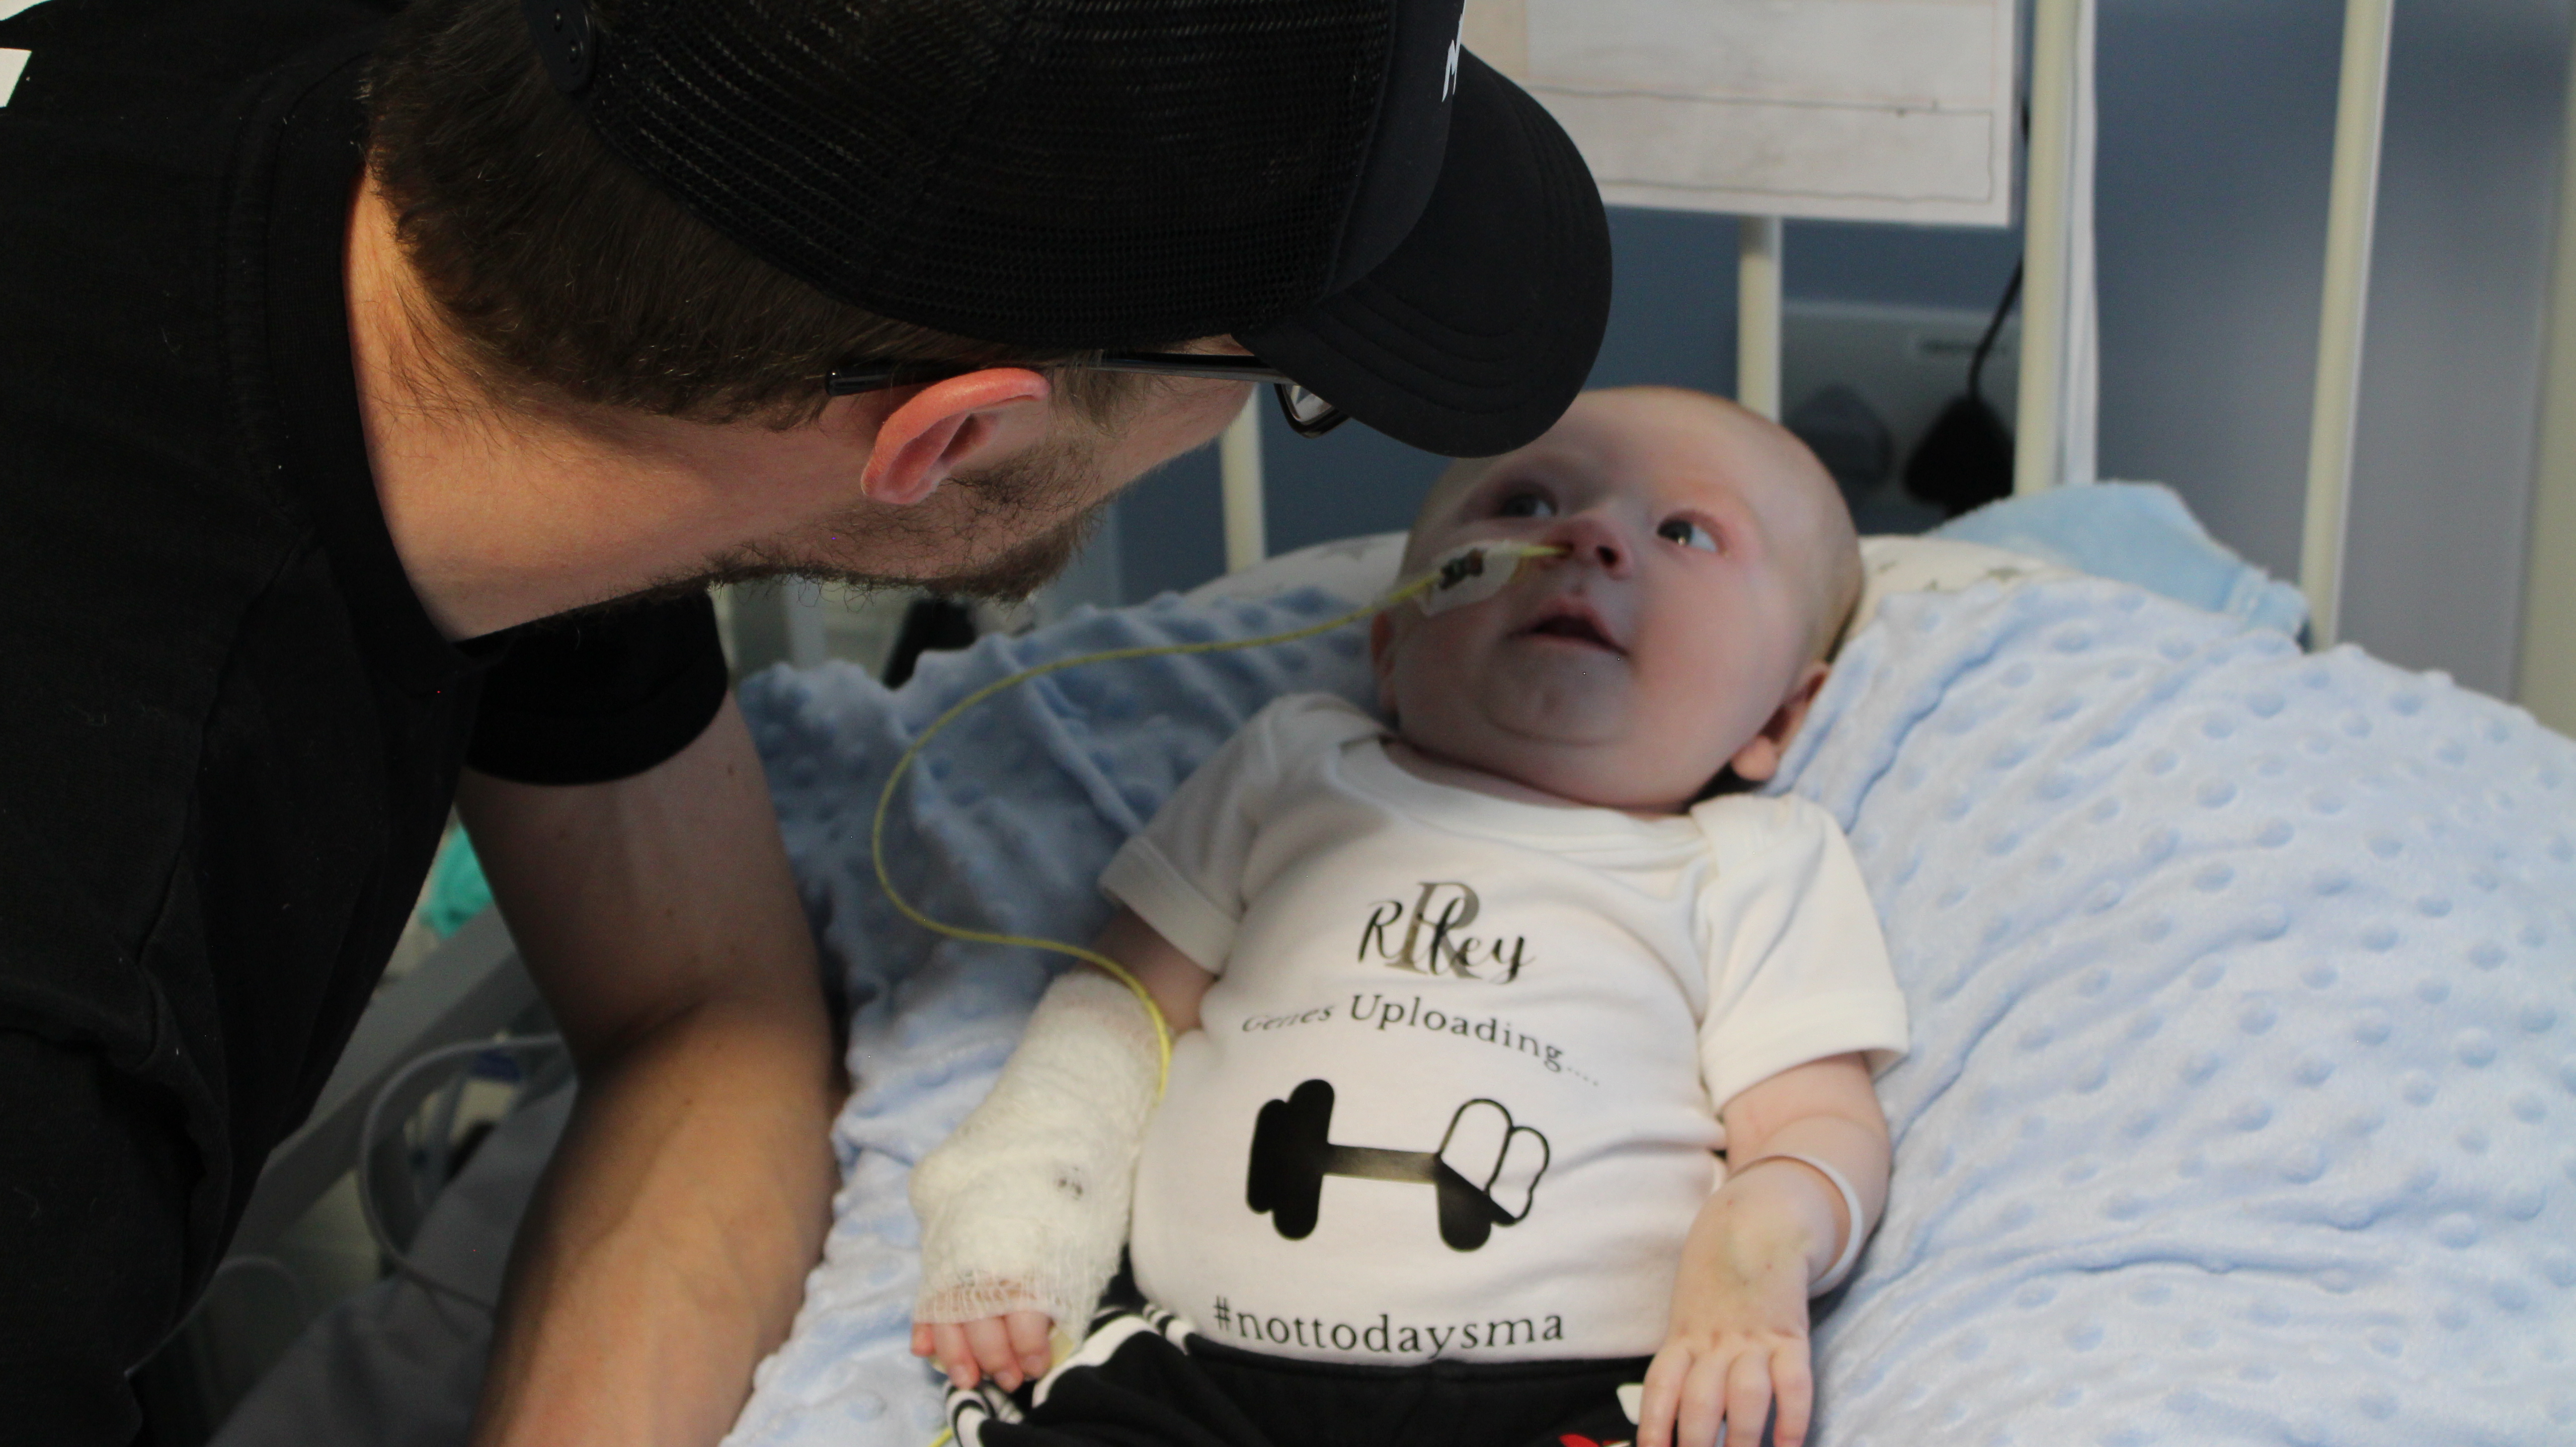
[[1308, 415]]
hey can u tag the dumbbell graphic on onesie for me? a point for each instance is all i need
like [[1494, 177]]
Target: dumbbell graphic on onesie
[[1483, 1174]]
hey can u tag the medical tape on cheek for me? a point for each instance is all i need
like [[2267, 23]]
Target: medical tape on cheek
[[1025, 1207], [1474, 572]]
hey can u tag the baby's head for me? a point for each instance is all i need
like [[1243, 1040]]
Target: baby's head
[[1709, 565]]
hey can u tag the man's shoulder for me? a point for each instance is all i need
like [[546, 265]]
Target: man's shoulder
[[137, 514], [116, 145], [126, 116], [140, 543], [120, 342]]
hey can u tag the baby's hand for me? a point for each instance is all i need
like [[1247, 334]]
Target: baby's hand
[[1738, 1339], [1010, 1349]]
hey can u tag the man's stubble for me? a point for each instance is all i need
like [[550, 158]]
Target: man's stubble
[[1013, 497]]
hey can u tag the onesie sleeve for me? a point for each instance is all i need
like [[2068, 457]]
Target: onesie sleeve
[[1184, 874], [1798, 970]]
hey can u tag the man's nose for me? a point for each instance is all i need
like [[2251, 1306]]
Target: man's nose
[[1591, 538]]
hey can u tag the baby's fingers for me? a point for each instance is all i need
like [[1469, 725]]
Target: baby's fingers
[[1792, 1378], [1028, 1334], [991, 1340], [1703, 1404], [1662, 1395], [1748, 1398], [948, 1348]]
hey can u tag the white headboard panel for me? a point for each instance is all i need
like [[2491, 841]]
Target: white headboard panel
[[1851, 110]]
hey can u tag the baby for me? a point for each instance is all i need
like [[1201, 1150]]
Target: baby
[[1516, 1062]]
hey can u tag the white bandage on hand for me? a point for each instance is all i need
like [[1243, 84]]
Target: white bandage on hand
[[1025, 1207]]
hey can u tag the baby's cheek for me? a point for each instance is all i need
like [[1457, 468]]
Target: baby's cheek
[[1426, 656], [1700, 719]]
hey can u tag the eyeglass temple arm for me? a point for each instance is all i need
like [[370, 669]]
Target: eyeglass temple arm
[[1224, 366], [1219, 365], [872, 376]]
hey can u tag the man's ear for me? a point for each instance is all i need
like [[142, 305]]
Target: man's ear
[[1759, 760], [942, 429]]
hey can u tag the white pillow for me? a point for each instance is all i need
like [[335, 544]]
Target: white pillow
[[1896, 564], [1357, 568]]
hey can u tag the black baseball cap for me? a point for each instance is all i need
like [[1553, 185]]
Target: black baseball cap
[[1335, 183]]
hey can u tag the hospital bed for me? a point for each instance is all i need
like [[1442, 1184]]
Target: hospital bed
[[2244, 975], [2239, 1103]]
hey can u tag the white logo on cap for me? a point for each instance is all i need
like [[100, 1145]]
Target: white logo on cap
[[1449, 82]]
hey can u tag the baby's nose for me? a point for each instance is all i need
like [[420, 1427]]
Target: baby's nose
[[1592, 539]]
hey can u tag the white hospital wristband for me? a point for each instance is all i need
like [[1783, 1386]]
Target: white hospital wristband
[[1853, 1235]]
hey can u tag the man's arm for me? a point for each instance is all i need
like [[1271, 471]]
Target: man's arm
[[666, 1250]]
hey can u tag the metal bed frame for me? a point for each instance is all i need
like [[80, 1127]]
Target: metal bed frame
[[472, 987]]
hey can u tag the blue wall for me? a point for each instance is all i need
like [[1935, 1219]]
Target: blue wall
[[2217, 132]]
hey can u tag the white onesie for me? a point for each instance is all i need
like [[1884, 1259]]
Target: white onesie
[[1455, 1091]]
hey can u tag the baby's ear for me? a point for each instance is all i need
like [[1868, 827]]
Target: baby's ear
[[1758, 760]]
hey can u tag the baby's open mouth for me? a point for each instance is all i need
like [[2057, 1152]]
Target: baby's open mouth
[[1575, 626]]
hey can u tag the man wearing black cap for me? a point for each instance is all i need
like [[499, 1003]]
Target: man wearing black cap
[[337, 351]]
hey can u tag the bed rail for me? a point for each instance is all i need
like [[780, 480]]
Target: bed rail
[[1758, 306], [469, 988], [2351, 207], [2545, 680], [2049, 197], [1238, 460]]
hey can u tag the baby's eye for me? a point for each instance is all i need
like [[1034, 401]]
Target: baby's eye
[[1526, 505], [1687, 533]]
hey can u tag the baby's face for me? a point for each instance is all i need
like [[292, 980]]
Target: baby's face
[[1676, 635]]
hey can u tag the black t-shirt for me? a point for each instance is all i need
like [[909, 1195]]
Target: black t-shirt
[[229, 733]]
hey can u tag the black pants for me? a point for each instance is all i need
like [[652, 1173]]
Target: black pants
[[1158, 1388]]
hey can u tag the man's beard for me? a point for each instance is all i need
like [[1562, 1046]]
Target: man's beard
[[1005, 499]]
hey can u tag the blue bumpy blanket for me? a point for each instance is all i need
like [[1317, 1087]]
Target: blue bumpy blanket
[[2242, 1101]]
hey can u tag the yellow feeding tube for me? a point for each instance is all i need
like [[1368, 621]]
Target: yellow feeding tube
[[1469, 573]]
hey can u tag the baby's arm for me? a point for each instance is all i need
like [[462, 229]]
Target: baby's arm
[[1002, 1258], [1738, 1334]]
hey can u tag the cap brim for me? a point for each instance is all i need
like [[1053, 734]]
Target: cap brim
[[1477, 331]]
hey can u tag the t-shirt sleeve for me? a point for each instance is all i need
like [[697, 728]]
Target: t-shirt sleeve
[[588, 700], [1798, 969], [1184, 875]]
